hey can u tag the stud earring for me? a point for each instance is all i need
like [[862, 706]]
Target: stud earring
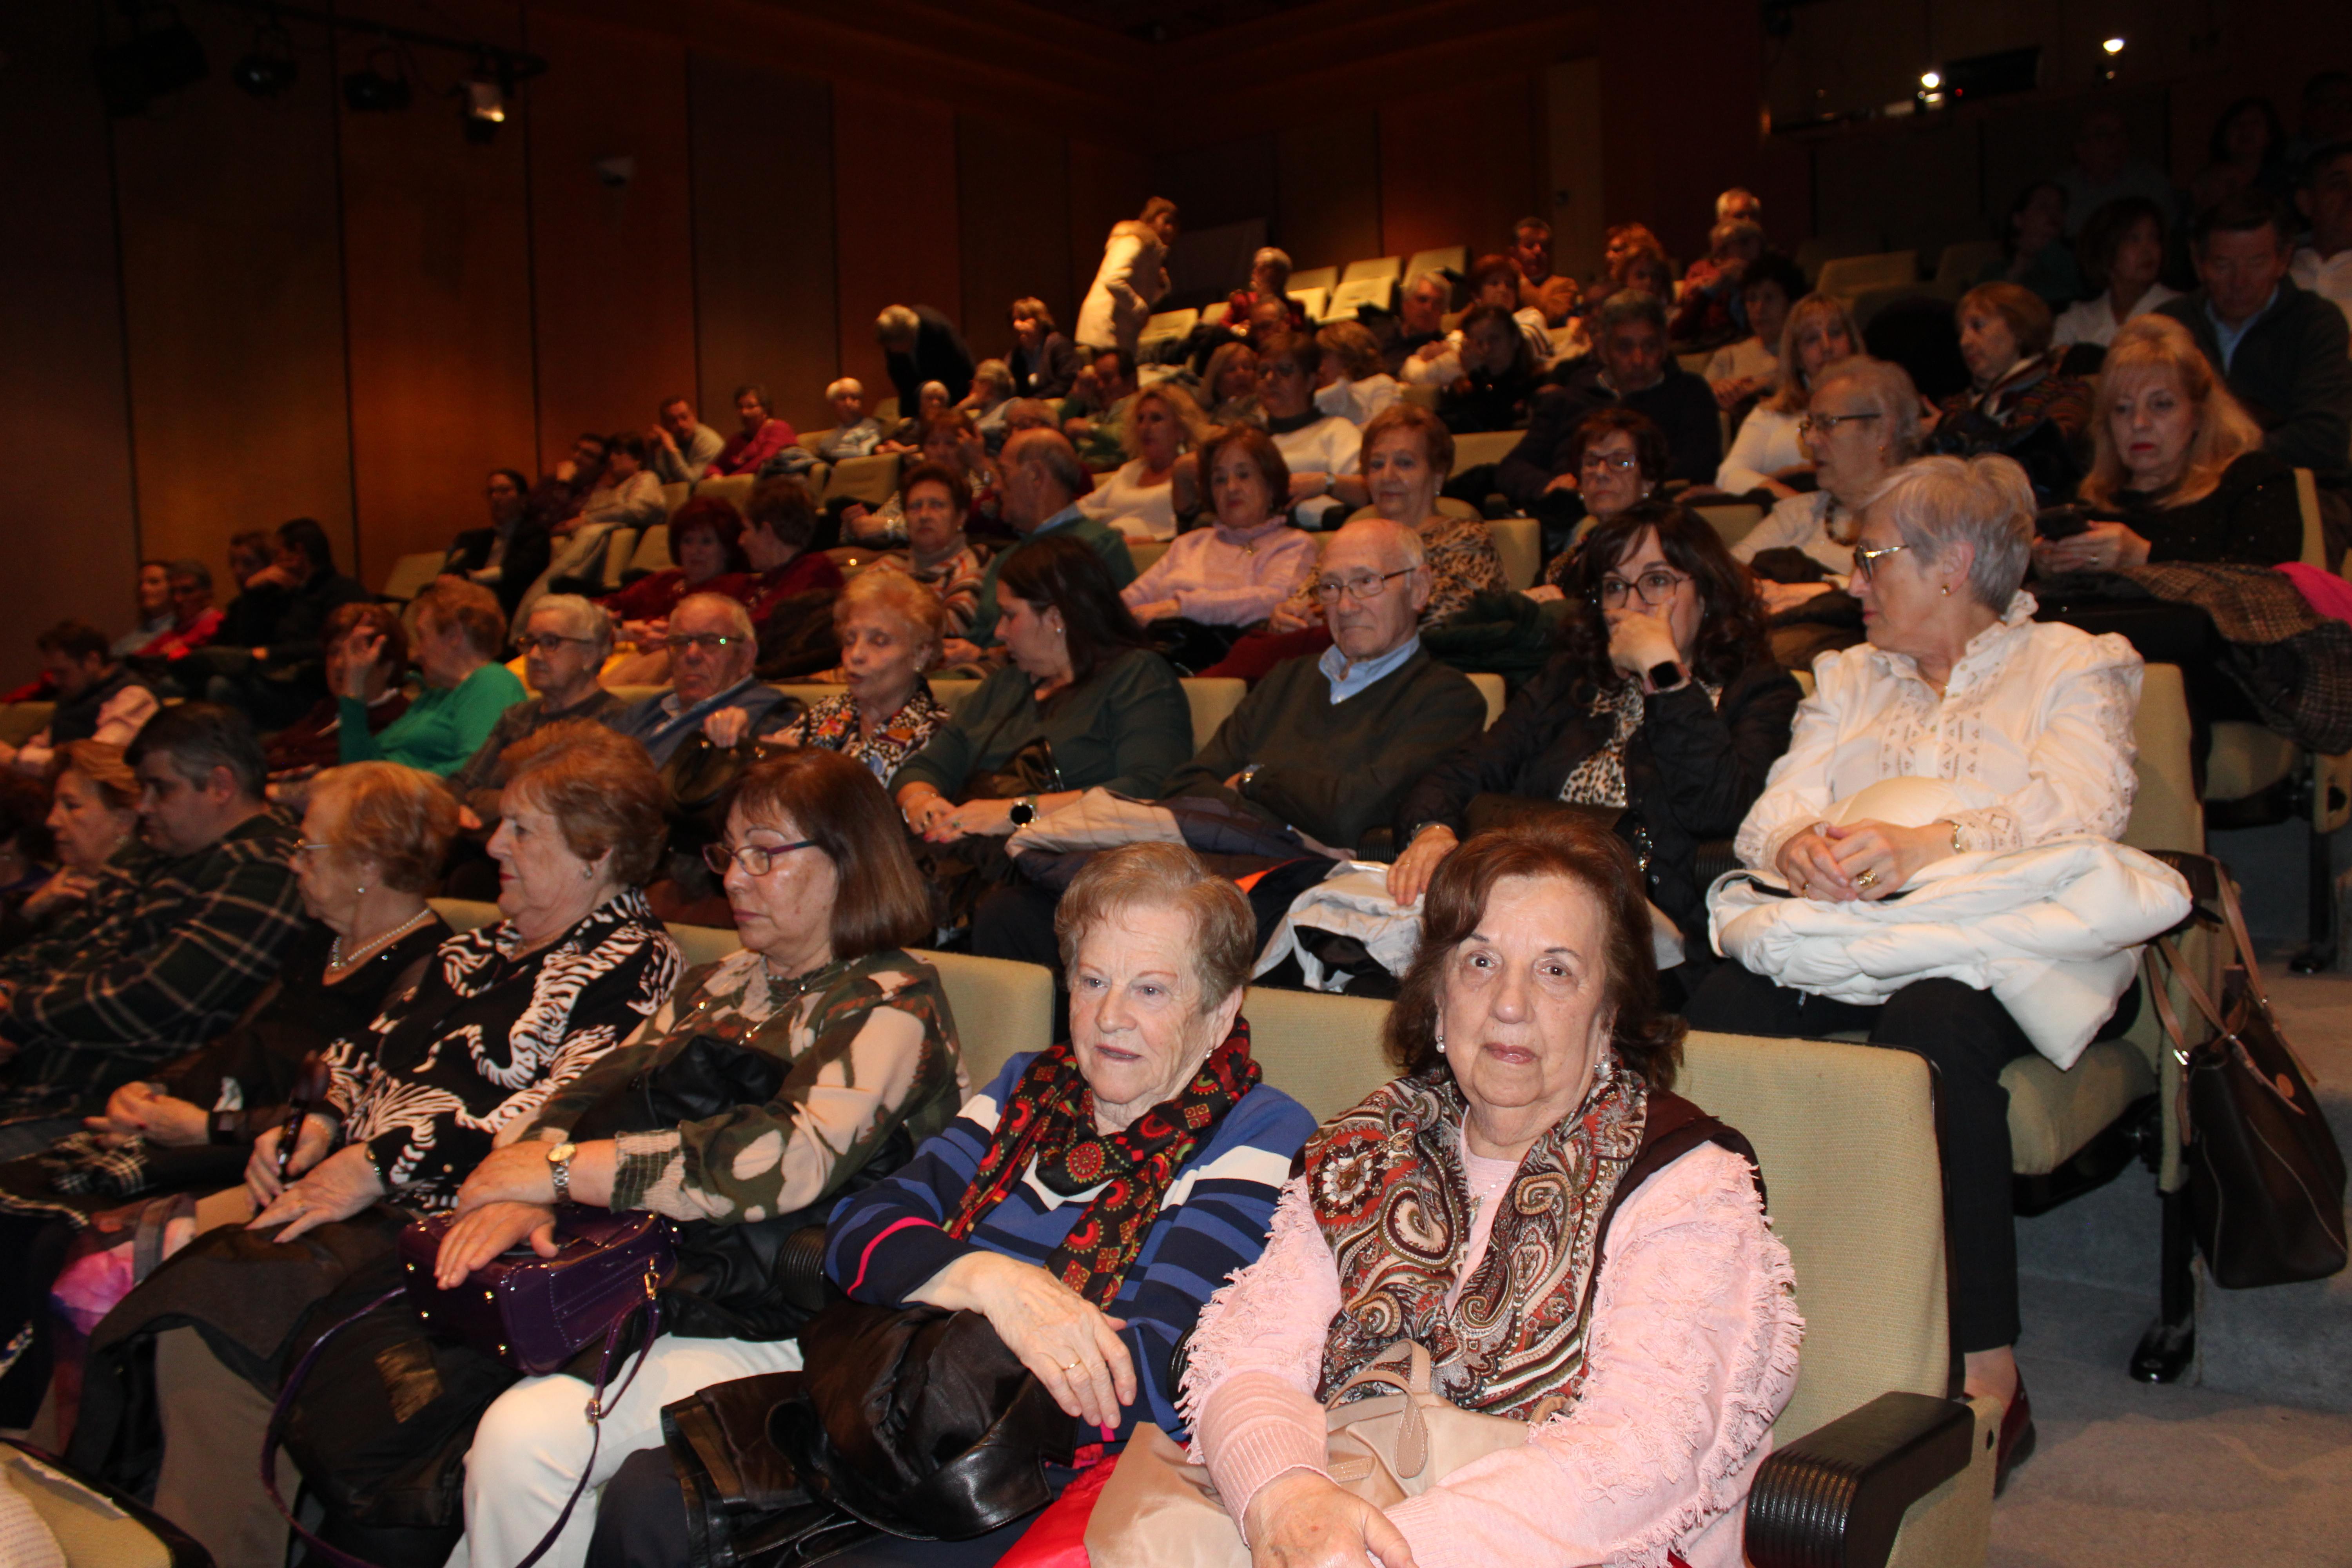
[[360, 891], [1441, 1043], [1945, 590]]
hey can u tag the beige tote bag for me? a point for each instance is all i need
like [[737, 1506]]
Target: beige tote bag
[[1159, 1511]]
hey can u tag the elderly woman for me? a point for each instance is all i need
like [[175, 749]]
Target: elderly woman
[[1084, 704], [1861, 423], [1465, 1209], [947, 440], [999, 1215], [1712, 308], [2018, 402], [1769, 288], [1229, 386], [2030, 725], [94, 822], [1768, 454], [1498, 374], [890, 626], [706, 552], [2123, 250], [1321, 448], [990, 400], [1621, 458], [1045, 361], [1664, 705], [459, 635], [1144, 496], [1215, 582], [314, 740], [760, 436], [855, 432], [936, 500], [824, 1003], [2178, 462], [1352, 382]]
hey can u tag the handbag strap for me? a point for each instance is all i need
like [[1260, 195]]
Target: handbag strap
[[598, 1406], [2234, 915]]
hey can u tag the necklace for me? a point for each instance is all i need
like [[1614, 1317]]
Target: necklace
[[337, 963]]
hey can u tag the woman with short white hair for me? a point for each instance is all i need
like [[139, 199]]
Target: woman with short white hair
[[1861, 423], [2027, 727], [855, 432]]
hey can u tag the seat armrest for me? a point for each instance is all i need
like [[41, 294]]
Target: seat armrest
[[1836, 1496], [1377, 844], [799, 1268]]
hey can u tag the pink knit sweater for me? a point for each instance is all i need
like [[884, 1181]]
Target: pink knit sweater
[[1693, 1354]]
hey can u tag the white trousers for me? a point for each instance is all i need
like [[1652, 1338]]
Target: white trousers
[[533, 1442]]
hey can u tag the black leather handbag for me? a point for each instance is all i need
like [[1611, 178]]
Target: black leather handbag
[[2265, 1176]]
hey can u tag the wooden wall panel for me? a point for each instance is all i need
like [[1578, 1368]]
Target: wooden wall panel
[[1459, 166], [1012, 192], [437, 284], [765, 310], [231, 274], [894, 201], [75, 544], [1107, 183], [1328, 190], [613, 266]]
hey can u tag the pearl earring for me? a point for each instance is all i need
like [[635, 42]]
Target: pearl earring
[[1946, 590], [360, 891], [1441, 1043]]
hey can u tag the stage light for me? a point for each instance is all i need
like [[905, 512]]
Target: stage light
[[156, 61], [2113, 46], [1931, 80], [374, 90], [268, 68], [485, 101]]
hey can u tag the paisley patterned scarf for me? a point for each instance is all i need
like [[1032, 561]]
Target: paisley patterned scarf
[[1050, 1117], [1387, 1183]]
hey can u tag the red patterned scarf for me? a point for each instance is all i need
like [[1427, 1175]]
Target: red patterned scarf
[[1389, 1195], [1050, 1117]]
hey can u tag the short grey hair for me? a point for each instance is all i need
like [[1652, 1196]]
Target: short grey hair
[[994, 372], [929, 387], [731, 611], [1165, 876], [897, 322], [1432, 275], [1627, 306], [1723, 202], [1938, 503], [1405, 537], [1889, 388], [1269, 256], [582, 618], [847, 387], [1051, 450]]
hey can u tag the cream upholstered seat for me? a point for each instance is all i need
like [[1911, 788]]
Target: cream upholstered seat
[[869, 479], [1850, 276], [1145, 554], [1484, 447], [1451, 259], [735, 489], [1734, 522], [674, 497], [1379, 268], [412, 575], [1001, 1008], [653, 549], [1519, 542], [1212, 701]]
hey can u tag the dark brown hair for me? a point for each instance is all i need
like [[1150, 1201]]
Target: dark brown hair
[[77, 640], [344, 619], [1731, 632], [1264, 455], [880, 899], [1436, 440], [2104, 231], [1060, 573], [958, 489], [470, 608], [781, 503], [1652, 455], [602, 790], [1647, 1040], [718, 514]]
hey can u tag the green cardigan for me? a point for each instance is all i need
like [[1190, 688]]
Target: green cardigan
[[441, 729], [1125, 729]]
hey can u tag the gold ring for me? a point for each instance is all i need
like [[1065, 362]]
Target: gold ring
[[1867, 880], [1070, 1366]]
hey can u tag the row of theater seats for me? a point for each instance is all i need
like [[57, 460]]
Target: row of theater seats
[[1328, 293]]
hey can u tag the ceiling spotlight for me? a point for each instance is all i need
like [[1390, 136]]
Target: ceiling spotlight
[[2113, 46], [485, 98], [381, 89], [1931, 80], [162, 56], [268, 68]]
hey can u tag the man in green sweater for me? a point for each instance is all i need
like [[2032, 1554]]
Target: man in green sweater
[[1324, 746], [1042, 482]]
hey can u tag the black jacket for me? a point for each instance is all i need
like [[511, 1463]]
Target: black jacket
[[2253, 518], [1691, 771], [1051, 374], [527, 554], [939, 356], [289, 623], [1682, 405], [2292, 372]]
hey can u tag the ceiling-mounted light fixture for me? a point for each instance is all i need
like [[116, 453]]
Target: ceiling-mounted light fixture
[[381, 88], [484, 97], [268, 68], [2113, 46], [1931, 80]]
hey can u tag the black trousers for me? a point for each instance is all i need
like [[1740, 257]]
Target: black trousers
[[1968, 1036], [640, 1523]]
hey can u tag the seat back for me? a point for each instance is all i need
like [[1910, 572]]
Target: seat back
[[2166, 813], [1444, 259], [1484, 447], [674, 497], [1145, 554], [412, 575], [1853, 275], [1813, 254], [869, 479], [1324, 278], [1380, 268], [1313, 302], [1323, 1051], [1519, 542], [652, 554], [1213, 314], [1351, 296], [735, 489], [1961, 264], [1001, 1008], [1213, 703], [620, 545], [1733, 522], [1490, 687], [1167, 325]]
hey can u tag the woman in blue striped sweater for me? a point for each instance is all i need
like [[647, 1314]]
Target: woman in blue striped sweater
[[1088, 1201]]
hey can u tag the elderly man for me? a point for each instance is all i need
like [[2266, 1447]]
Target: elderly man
[[711, 686], [1326, 746], [684, 446], [855, 432], [1629, 364], [2282, 350], [97, 698], [920, 345], [565, 643], [1042, 482], [126, 982]]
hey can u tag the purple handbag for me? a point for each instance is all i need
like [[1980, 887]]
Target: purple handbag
[[534, 1313]]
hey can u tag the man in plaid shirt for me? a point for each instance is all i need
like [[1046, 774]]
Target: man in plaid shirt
[[126, 983]]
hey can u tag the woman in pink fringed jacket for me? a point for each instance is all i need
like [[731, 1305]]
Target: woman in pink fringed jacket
[[1469, 1206]]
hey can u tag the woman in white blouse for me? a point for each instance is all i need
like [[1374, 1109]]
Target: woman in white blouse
[[2029, 726], [2122, 249], [1861, 422], [1144, 497], [1766, 454]]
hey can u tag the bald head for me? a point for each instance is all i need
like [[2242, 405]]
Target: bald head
[[1042, 476]]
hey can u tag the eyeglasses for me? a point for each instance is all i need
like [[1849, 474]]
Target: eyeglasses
[[312, 848], [1364, 587], [708, 642], [1606, 464], [548, 642], [757, 859], [1655, 588], [1865, 561], [1827, 424]]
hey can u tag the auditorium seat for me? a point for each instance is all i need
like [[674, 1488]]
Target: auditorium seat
[[1732, 520], [1312, 301], [1960, 265], [1347, 299], [1484, 447], [735, 489], [1815, 253], [1519, 542], [1325, 279], [1167, 325], [1380, 268], [1848, 276], [869, 479], [1451, 259], [620, 545], [412, 575], [652, 550], [675, 497], [1146, 553], [1490, 687]]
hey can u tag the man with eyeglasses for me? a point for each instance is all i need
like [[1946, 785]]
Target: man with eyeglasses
[[1042, 482], [1326, 746], [565, 642], [712, 689], [1630, 365]]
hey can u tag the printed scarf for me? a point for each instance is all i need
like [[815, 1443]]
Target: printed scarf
[[1387, 1183], [1050, 1116]]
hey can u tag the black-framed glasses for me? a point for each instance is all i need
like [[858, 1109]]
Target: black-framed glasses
[[1865, 561], [757, 859], [1602, 462], [1364, 587], [1827, 424], [1654, 587], [708, 642], [548, 642]]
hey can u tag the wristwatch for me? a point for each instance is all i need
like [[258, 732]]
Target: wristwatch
[[1025, 811], [559, 1169]]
